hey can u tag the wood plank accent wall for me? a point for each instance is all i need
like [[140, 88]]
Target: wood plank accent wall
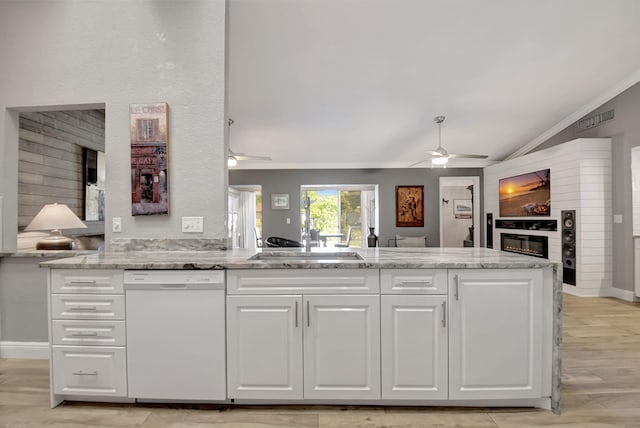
[[50, 167], [581, 181]]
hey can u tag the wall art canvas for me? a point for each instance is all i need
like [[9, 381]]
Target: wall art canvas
[[149, 158], [526, 195], [409, 206]]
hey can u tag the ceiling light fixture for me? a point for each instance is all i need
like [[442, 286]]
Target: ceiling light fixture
[[440, 161], [440, 157]]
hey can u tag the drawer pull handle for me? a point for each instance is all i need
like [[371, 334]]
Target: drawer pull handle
[[83, 373], [455, 282], [87, 281], [444, 314], [417, 282], [296, 314], [89, 334], [308, 315], [83, 308]]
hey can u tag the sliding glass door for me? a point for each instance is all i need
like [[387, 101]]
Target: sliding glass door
[[338, 215]]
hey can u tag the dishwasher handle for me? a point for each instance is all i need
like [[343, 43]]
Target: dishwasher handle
[[179, 286]]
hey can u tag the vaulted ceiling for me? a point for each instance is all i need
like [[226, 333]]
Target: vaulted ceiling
[[357, 83]]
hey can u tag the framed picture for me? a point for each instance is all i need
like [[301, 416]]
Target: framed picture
[[462, 208], [279, 201], [409, 206], [149, 135]]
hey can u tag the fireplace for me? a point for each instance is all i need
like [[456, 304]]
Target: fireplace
[[531, 245]]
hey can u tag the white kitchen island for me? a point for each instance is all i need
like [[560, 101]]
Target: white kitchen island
[[468, 327]]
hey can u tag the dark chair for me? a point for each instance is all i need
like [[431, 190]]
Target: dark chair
[[277, 242]]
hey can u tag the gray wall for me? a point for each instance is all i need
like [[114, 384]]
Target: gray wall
[[289, 181], [23, 299], [624, 130]]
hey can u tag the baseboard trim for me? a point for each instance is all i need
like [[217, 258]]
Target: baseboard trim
[[618, 293], [627, 295], [26, 350], [586, 292]]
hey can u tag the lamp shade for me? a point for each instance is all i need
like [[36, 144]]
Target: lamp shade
[[55, 216]]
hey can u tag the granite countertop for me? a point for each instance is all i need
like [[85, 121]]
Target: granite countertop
[[297, 258], [46, 253]]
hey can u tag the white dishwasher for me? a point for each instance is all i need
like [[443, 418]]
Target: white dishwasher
[[175, 334]]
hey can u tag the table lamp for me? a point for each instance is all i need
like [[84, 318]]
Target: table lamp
[[55, 217]]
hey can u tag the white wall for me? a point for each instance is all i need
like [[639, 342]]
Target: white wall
[[580, 180], [112, 54]]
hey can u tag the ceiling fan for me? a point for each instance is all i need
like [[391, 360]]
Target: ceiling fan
[[440, 157], [233, 157]]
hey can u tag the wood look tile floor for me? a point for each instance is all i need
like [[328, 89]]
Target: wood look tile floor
[[601, 388]]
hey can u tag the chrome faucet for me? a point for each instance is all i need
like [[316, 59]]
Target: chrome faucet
[[307, 222]]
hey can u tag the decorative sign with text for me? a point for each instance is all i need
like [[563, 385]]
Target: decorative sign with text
[[149, 158]]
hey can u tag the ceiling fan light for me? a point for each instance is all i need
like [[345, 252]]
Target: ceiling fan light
[[439, 160], [231, 162]]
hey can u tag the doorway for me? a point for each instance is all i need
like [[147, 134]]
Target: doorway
[[245, 216], [459, 211], [340, 215]]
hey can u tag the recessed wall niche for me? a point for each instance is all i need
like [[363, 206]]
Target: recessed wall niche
[[61, 159]]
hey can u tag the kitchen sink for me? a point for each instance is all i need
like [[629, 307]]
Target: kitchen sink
[[306, 255]]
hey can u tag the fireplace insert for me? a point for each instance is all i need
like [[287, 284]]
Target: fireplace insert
[[531, 245]]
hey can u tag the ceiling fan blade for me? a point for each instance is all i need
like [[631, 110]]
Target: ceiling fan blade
[[241, 157], [419, 162], [452, 155]]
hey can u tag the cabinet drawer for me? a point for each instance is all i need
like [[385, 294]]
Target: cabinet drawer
[[79, 307], [413, 281], [303, 281], [97, 370], [83, 281], [71, 332]]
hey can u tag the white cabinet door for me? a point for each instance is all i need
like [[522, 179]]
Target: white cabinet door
[[496, 333], [342, 347], [264, 347], [414, 347]]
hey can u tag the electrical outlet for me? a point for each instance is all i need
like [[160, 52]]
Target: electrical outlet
[[192, 224], [288, 220], [117, 224]]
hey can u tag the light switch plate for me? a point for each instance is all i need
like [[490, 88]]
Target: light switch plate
[[116, 224], [617, 218], [192, 224]]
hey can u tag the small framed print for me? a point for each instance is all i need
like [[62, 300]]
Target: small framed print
[[279, 201], [462, 208]]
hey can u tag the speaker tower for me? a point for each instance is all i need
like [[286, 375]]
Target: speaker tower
[[489, 229], [569, 237]]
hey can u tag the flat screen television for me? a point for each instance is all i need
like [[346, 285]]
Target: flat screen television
[[526, 195]]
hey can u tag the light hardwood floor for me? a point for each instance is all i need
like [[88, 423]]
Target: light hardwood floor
[[601, 388]]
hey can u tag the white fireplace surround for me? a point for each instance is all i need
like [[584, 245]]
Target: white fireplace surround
[[580, 180]]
